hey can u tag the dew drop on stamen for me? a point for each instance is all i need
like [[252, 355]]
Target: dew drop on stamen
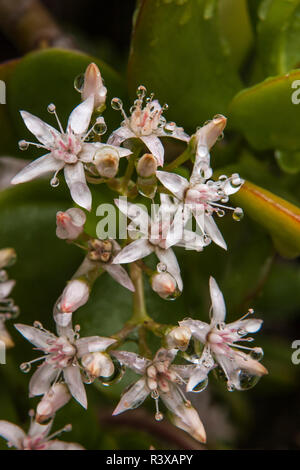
[[141, 92], [159, 416], [51, 108], [257, 354], [116, 104], [100, 128], [220, 212], [25, 367], [79, 83], [54, 182], [23, 145], [238, 214]]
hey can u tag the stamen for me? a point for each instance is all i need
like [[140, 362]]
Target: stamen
[[24, 145], [67, 428], [158, 415], [117, 104], [52, 110]]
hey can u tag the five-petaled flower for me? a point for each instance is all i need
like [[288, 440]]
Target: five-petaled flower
[[67, 150], [162, 380], [147, 124], [62, 356], [220, 343]]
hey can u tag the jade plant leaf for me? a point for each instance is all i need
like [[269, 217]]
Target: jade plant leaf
[[169, 34]]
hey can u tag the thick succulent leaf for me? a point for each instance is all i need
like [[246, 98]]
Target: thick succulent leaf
[[278, 36], [187, 52], [278, 216], [47, 76], [266, 115]]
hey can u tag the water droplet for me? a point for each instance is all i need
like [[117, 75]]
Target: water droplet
[[220, 212], [238, 214], [23, 145], [100, 127], [230, 387], [161, 267], [118, 374], [38, 324], [25, 367], [54, 182], [159, 416], [223, 178], [154, 394], [202, 151], [51, 108], [79, 83], [241, 332], [200, 386], [141, 92], [247, 380], [116, 104], [257, 353], [169, 127], [206, 240]]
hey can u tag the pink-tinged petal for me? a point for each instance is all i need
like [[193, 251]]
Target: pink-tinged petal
[[213, 232], [6, 288], [177, 133], [198, 328], [75, 294], [75, 179], [191, 241], [136, 250], [217, 301], [133, 397], [12, 433], [38, 338], [198, 375], [168, 258], [252, 366], [57, 397], [73, 379], [251, 325], [86, 266], [88, 152], [174, 183], [69, 224], [37, 429], [80, 117], [176, 231], [60, 445], [209, 133], [38, 167], [119, 274], [93, 344], [165, 355], [118, 136], [134, 212], [41, 380], [132, 360], [41, 130], [155, 146]]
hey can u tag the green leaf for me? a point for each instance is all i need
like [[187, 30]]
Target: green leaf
[[288, 161], [266, 115], [278, 36], [278, 216], [47, 76], [188, 53]]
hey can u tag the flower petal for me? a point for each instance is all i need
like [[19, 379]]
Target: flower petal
[[80, 117], [155, 146], [198, 328], [38, 167], [73, 379], [6, 288], [41, 130], [60, 445], [41, 380], [198, 375], [132, 360], [134, 212], [174, 183], [134, 251], [217, 301], [38, 338], [75, 179], [119, 135], [12, 433], [213, 232], [133, 397], [168, 258], [93, 344], [120, 275]]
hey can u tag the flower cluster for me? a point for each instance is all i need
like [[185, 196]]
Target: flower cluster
[[183, 215], [8, 309]]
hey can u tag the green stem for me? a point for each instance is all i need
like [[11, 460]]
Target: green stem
[[139, 308], [185, 156]]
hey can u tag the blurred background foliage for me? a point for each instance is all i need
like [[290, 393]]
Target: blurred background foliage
[[202, 57]]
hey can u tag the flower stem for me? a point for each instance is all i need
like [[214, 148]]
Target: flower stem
[[185, 156], [139, 308]]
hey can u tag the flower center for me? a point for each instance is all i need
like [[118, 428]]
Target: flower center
[[61, 352], [67, 147]]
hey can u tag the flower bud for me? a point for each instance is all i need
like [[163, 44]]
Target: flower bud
[[7, 257], [57, 397], [6, 288], [164, 285], [147, 165], [75, 294], [98, 364], [106, 161], [93, 85], [5, 336], [179, 338], [69, 224], [209, 133]]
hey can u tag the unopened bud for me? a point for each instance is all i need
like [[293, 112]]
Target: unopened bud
[[164, 285], [74, 296], [179, 338], [209, 133], [98, 364], [7, 257], [93, 85], [106, 161], [5, 336], [147, 165], [57, 397], [69, 224], [6, 288]]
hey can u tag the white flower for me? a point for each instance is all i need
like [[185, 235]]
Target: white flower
[[147, 124], [57, 397], [74, 296], [161, 380], [62, 356], [37, 437], [67, 150], [220, 343], [69, 224]]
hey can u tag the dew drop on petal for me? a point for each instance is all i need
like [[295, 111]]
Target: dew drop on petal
[[257, 354], [247, 380], [238, 214], [118, 374], [200, 386], [38, 325], [79, 83], [100, 128]]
